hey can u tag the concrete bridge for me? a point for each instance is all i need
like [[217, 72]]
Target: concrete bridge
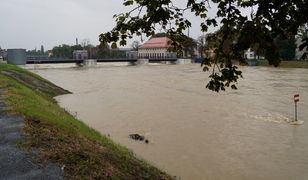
[[18, 57], [91, 62]]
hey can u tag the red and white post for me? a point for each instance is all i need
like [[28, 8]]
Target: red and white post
[[296, 100]]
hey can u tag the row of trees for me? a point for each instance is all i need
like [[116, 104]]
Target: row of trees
[[65, 51], [103, 51], [36, 52], [286, 46]]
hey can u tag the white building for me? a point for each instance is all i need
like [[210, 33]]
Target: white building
[[299, 53], [156, 48], [249, 54]]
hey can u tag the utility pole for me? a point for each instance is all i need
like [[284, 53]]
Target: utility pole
[[296, 99]]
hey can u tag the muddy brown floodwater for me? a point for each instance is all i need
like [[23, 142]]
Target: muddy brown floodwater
[[195, 133]]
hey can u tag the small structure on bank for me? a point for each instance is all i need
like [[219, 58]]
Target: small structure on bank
[[80, 54], [156, 48], [300, 54], [252, 57], [16, 56]]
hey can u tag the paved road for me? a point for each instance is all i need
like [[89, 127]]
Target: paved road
[[14, 162]]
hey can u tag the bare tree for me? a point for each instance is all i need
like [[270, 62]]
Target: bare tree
[[85, 42], [135, 45]]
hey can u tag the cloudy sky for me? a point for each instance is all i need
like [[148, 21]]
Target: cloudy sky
[[32, 23]]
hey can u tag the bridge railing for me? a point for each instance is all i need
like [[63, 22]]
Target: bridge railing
[[78, 61]]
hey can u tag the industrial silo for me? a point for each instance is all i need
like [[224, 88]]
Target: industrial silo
[[16, 56]]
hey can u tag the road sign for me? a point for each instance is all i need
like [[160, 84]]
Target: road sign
[[296, 122], [296, 98]]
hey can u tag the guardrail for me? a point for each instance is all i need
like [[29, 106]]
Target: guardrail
[[98, 60]]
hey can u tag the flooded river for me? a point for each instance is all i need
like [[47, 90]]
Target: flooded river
[[195, 133]]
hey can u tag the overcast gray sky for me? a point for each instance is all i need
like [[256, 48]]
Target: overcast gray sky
[[32, 23]]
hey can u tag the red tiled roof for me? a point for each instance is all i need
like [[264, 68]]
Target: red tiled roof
[[159, 42]]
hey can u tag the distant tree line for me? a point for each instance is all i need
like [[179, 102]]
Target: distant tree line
[[35, 52], [286, 46], [105, 51], [65, 51]]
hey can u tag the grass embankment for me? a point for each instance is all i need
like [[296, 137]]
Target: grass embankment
[[286, 64], [60, 138]]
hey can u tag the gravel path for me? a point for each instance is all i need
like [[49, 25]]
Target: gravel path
[[14, 162]]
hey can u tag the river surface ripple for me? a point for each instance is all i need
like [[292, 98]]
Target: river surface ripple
[[195, 133]]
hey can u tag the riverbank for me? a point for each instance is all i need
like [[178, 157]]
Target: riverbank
[[286, 64], [16, 163], [58, 137]]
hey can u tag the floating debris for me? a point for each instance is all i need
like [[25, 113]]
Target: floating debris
[[138, 137]]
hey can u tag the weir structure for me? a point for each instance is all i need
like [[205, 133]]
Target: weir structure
[[93, 62]]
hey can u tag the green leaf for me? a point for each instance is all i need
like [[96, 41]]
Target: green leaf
[[114, 45]]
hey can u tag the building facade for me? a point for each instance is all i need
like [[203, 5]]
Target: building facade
[[249, 54], [156, 48], [299, 54]]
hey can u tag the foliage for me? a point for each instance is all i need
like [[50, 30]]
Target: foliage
[[106, 52], [268, 20], [202, 45], [188, 45], [286, 47], [65, 51], [35, 52], [207, 42]]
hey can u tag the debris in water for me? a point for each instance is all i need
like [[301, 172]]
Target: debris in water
[[136, 137]]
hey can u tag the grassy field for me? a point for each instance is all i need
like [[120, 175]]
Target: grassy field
[[286, 64], [62, 139]]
